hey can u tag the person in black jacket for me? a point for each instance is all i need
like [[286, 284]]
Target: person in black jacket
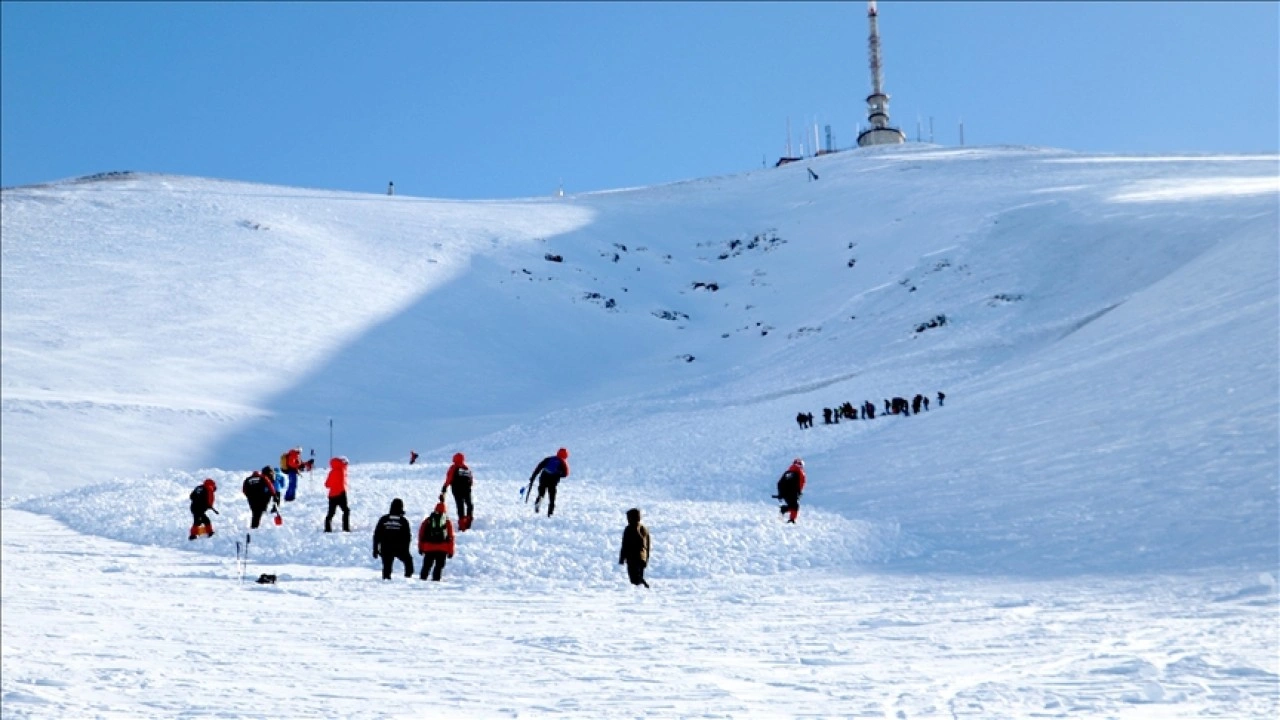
[[549, 473], [391, 540], [260, 489], [635, 548]]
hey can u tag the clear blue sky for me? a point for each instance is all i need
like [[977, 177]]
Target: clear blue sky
[[492, 100]]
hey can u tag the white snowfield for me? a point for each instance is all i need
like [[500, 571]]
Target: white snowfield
[[1087, 527]]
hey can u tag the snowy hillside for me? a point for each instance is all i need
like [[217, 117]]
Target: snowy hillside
[[1106, 330]]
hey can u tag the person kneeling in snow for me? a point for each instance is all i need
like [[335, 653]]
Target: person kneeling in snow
[[435, 541], [635, 548], [391, 540], [201, 504]]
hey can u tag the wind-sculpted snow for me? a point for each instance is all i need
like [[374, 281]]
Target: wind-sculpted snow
[[580, 543]]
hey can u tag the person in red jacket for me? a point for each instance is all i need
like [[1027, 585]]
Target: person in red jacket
[[201, 504], [458, 478], [292, 466], [337, 484], [790, 487], [435, 541]]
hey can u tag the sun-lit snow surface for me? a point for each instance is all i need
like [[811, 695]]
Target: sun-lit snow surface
[[1088, 527]]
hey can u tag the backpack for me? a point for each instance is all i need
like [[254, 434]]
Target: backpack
[[788, 484], [435, 530], [255, 485], [198, 496], [284, 460], [462, 478]]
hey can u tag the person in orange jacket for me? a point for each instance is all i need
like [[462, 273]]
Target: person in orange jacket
[[435, 541], [790, 487], [458, 478], [337, 484]]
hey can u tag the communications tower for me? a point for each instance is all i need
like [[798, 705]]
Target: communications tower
[[880, 133]]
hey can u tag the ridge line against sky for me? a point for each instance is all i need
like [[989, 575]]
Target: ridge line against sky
[[494, 100]]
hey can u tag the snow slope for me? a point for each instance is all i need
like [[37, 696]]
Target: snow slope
[[1102, 476]]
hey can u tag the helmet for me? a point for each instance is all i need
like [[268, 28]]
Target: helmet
[[798, 462], [458, 459], [563, 454]]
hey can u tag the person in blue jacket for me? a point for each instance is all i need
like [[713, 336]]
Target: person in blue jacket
[[548, 474]]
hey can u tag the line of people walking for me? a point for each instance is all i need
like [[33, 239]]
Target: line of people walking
[[867, 411]]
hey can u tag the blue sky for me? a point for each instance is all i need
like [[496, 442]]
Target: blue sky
[[491, 100]]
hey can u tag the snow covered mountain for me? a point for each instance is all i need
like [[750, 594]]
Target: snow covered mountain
[[1105, 329]]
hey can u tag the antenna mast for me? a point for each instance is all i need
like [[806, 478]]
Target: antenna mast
[[880, 133]]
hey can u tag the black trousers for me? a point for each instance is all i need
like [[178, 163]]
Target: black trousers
[[462, 498], [547, 486], [433, 562], [635, 571], [792, 502], [257, 508], [335, 502], [388, 559], [199, 518]]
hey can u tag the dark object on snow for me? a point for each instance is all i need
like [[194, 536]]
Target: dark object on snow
[[265, 579], [812, 175], [937, 321], [552, 258]]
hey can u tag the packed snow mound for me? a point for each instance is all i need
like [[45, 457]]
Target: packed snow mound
[[508, 542]]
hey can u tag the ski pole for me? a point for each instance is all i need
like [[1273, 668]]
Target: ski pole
[[245, 566]]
